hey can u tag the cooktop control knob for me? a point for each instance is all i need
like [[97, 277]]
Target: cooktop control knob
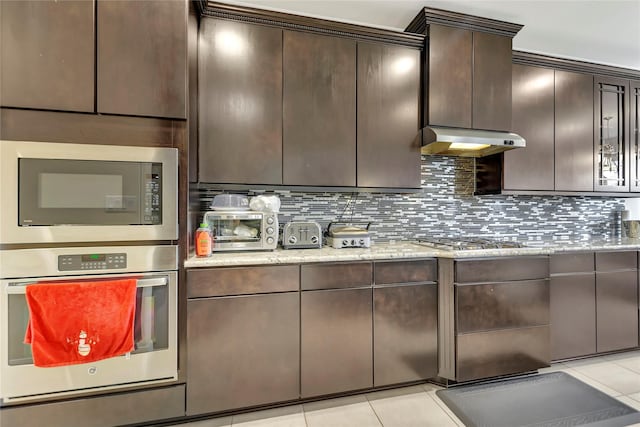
[[292, 239], [314, 239], [362, 242], [345, 243]]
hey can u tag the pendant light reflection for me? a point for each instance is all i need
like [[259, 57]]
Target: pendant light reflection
[[230, 43]]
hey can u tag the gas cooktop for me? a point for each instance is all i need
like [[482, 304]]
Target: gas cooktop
[[466, 243]]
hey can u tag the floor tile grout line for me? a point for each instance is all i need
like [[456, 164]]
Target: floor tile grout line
[[592, 378], [366, 396], [444, 408]]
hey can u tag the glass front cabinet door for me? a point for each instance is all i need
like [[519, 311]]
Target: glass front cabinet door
[[634, 122], [612, 143]]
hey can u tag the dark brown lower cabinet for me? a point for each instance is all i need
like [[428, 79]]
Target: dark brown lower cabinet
[[336, 346], [616, 310], [100, 411], [243, 351], [405, 333], [573, 315]]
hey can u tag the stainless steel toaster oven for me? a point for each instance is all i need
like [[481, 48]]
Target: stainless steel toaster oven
[[242, 230]]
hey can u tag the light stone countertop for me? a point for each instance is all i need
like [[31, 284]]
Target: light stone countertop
[[399, 250]]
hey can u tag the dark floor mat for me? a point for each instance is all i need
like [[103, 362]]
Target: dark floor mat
[[554, 399]]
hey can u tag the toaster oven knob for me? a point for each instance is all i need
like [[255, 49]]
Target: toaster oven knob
[[270, 240], [270, 220], [269, 230], [314, 239], [292, 239]]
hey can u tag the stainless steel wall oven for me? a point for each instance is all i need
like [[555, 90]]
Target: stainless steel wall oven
[[154, 358]]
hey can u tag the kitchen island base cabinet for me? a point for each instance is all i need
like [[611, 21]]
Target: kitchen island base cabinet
[[336, 347], [243, 351]]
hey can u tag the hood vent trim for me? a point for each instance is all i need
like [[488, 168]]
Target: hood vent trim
[[468, 142]]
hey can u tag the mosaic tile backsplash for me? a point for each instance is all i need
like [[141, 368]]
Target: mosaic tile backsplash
[[443, 207]]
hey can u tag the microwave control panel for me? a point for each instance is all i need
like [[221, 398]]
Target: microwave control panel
[[152, 209], [92, 262]]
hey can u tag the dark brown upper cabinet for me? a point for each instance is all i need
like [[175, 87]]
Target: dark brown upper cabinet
[[388, 116], [531, 167], [634, 125], [240, 103], [573, 131], [468, 69], [47, 55], [319, 110], [142, 58], [611, 134], [309, 102]]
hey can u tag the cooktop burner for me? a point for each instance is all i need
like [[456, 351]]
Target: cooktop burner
[[466, 243]]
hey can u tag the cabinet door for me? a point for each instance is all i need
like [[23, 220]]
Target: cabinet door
[[449, 77], [573, 131], [142, 58], [616, 310], [319, 110], [531, 168], [240, 110], [573, 315], [491, 81], [47, 55], [242, 351], [611, 134], [336, 347], [388, 116], [405, 342], [634, 122]]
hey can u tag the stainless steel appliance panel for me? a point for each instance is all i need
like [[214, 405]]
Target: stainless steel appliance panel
[[501, 352], [573, 314], [242, 351], [502, 305], [336, 347], [405, 325]]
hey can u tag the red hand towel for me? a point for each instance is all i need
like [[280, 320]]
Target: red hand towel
[[80, 322]]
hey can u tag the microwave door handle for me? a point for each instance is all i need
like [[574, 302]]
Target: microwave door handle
[[17, 288]]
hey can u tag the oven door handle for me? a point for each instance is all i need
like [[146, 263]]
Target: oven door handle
[[21, 287]]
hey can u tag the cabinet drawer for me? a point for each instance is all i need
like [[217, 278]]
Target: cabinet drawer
[[579, 262], [334, 276], [622, 260], [502, 305], [501, 269], [241, 281], [508, 351], [392, 272]]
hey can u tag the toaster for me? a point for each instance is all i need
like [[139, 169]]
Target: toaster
[[301, 235]]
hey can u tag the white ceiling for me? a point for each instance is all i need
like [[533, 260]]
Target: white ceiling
[[601, 31]]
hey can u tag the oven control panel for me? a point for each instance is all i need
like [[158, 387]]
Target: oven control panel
[[92, 262]]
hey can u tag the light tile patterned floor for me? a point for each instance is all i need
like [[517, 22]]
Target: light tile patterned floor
[[617, 375]]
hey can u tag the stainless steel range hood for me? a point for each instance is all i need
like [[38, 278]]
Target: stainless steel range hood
[[467, 142]]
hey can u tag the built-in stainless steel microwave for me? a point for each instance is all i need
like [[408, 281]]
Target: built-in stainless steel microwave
[[56, 192]]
